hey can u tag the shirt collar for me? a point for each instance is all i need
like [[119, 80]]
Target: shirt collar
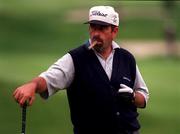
[[115, 45]]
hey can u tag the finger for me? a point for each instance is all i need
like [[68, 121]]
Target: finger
[[123, 86], [20, 97], [31, 100], [125, 90], [14, 93], [22, 101], [17, 96]]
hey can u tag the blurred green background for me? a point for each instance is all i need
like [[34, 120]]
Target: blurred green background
[[35, 33]]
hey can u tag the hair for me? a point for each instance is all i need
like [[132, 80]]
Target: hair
[[113, 27]]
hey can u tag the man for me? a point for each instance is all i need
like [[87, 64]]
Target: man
[[104, 85]]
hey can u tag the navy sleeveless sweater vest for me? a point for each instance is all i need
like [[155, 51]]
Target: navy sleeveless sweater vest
[[93, 98]]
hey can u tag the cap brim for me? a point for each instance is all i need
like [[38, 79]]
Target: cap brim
[[97, 22]]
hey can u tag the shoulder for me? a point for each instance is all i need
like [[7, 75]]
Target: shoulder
[[80, 54], [79, 50], [128, 59], [67, 58], [125, 53]]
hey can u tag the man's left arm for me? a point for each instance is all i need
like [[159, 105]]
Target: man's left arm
[[141, 93], [139, 100]]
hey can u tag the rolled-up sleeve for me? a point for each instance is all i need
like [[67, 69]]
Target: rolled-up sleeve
[[140, 85], [59, 75]]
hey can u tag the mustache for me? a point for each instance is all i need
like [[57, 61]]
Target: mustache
[[97, 38]]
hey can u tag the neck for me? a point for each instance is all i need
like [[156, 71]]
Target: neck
[[106, 52]]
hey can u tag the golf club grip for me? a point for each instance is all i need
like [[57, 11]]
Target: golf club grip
[[23, 119]]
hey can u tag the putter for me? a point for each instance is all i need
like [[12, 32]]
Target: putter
[[23, 128]]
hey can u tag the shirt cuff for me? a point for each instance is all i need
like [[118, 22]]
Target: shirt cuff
[[50, 90]]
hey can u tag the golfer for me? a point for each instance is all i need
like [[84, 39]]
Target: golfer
[[104, 85]]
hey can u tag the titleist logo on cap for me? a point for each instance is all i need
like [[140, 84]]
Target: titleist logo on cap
[[103, 15], [98, 13]]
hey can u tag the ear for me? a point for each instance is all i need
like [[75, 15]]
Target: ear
[[115, 32]]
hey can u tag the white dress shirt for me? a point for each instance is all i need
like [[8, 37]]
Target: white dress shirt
[[61, 74]]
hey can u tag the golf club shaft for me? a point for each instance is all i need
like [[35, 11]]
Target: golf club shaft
[[23, 119]]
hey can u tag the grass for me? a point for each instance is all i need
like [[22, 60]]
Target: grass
[[31, 28], [162, 113], [52, 116]]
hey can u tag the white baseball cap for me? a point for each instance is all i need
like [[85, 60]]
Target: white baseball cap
[[103, 15]]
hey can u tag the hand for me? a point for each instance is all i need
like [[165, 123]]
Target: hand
[[125, 94], [25, 93]]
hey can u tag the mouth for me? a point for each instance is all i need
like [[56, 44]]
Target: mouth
[[92, 44], [95, 43], [98, 39], [99, 42]]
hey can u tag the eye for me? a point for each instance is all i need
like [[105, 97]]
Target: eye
[[103, 27], [98, 27]]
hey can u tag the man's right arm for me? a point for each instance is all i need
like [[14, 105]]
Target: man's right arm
[[26, 92], [59, 76]]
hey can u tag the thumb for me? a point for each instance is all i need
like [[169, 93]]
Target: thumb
[[125, 89], [123, 86]]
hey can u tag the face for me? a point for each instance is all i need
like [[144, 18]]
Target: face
[[103, 35]]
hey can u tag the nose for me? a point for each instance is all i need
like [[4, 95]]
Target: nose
[[96, 33]]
